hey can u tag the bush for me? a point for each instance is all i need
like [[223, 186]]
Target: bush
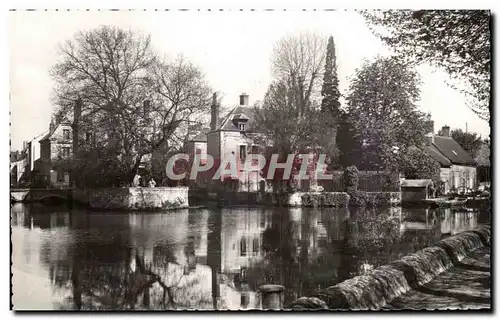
[[351, 178], [357, 199], [372, 199]]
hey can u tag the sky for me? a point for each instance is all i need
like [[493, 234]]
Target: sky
[[232, 48]]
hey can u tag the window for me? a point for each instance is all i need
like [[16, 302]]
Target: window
[[244, 300], [243, 152], [241, 126], [255, 245], [60, 176], [66, 133], [65, 151], [243, 247]]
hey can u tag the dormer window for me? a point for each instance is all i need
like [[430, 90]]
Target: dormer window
[[239, 121]]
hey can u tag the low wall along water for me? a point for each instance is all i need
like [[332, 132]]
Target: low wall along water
[[138, 198], [373, 291]]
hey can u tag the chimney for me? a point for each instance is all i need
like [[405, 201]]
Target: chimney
[[243, 99], [77, 111], [429, 139], [445, 131], [214, 119], [52, 125]]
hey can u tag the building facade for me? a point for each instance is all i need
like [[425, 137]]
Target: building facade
[[458, 169], [56, 149], [230, 139]]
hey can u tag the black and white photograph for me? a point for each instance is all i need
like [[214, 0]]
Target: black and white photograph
[[280, 159]]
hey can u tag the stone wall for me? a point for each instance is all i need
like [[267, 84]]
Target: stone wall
[[159, 198], [385, 283]]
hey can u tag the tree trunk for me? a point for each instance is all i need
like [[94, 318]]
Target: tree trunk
[[134, 169]]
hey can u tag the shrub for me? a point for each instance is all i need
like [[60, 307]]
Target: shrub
[[372, 199], [325, 199], [357, 199], [351, 178]]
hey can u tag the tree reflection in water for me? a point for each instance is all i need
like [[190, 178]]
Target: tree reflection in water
[[109, 272]]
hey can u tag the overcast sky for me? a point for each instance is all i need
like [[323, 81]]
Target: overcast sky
[[232, 48]]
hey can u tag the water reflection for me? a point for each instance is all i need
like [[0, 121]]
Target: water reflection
[[204, 259]]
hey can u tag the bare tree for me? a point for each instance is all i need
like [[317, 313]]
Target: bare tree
[[280, 121], [299, 60], [133, 103]]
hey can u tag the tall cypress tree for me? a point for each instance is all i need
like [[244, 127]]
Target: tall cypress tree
[[330, 104], [330, 91]]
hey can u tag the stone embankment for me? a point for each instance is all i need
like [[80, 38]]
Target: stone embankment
[[160, 198], [455, 273]]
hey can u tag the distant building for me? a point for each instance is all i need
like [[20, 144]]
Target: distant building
[[458, 169], [19, 167], [55, 148]]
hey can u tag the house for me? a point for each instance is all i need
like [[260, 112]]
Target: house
[[229, 138], [458, 169], [56, 147], [233, 138], [18, 167], [33, 160]]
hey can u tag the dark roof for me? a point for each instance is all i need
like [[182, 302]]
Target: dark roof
[[200, 137], [438, 156], [241, 113], [452, 150], [413, 183]]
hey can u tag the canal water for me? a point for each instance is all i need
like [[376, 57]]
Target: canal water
[[207, 258]]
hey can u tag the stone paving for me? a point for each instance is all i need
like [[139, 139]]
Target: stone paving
[[467, 285]]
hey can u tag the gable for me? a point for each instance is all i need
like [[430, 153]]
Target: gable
[[58, 132]]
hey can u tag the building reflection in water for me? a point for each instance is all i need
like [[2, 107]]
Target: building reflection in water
[[458, 220], [204, 259]]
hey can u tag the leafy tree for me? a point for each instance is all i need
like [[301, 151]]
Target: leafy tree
[[347, 143], [133, 102], [418, 164], [330, 104], [483, 155], [382, 111], [471, 142], [456, 40]]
